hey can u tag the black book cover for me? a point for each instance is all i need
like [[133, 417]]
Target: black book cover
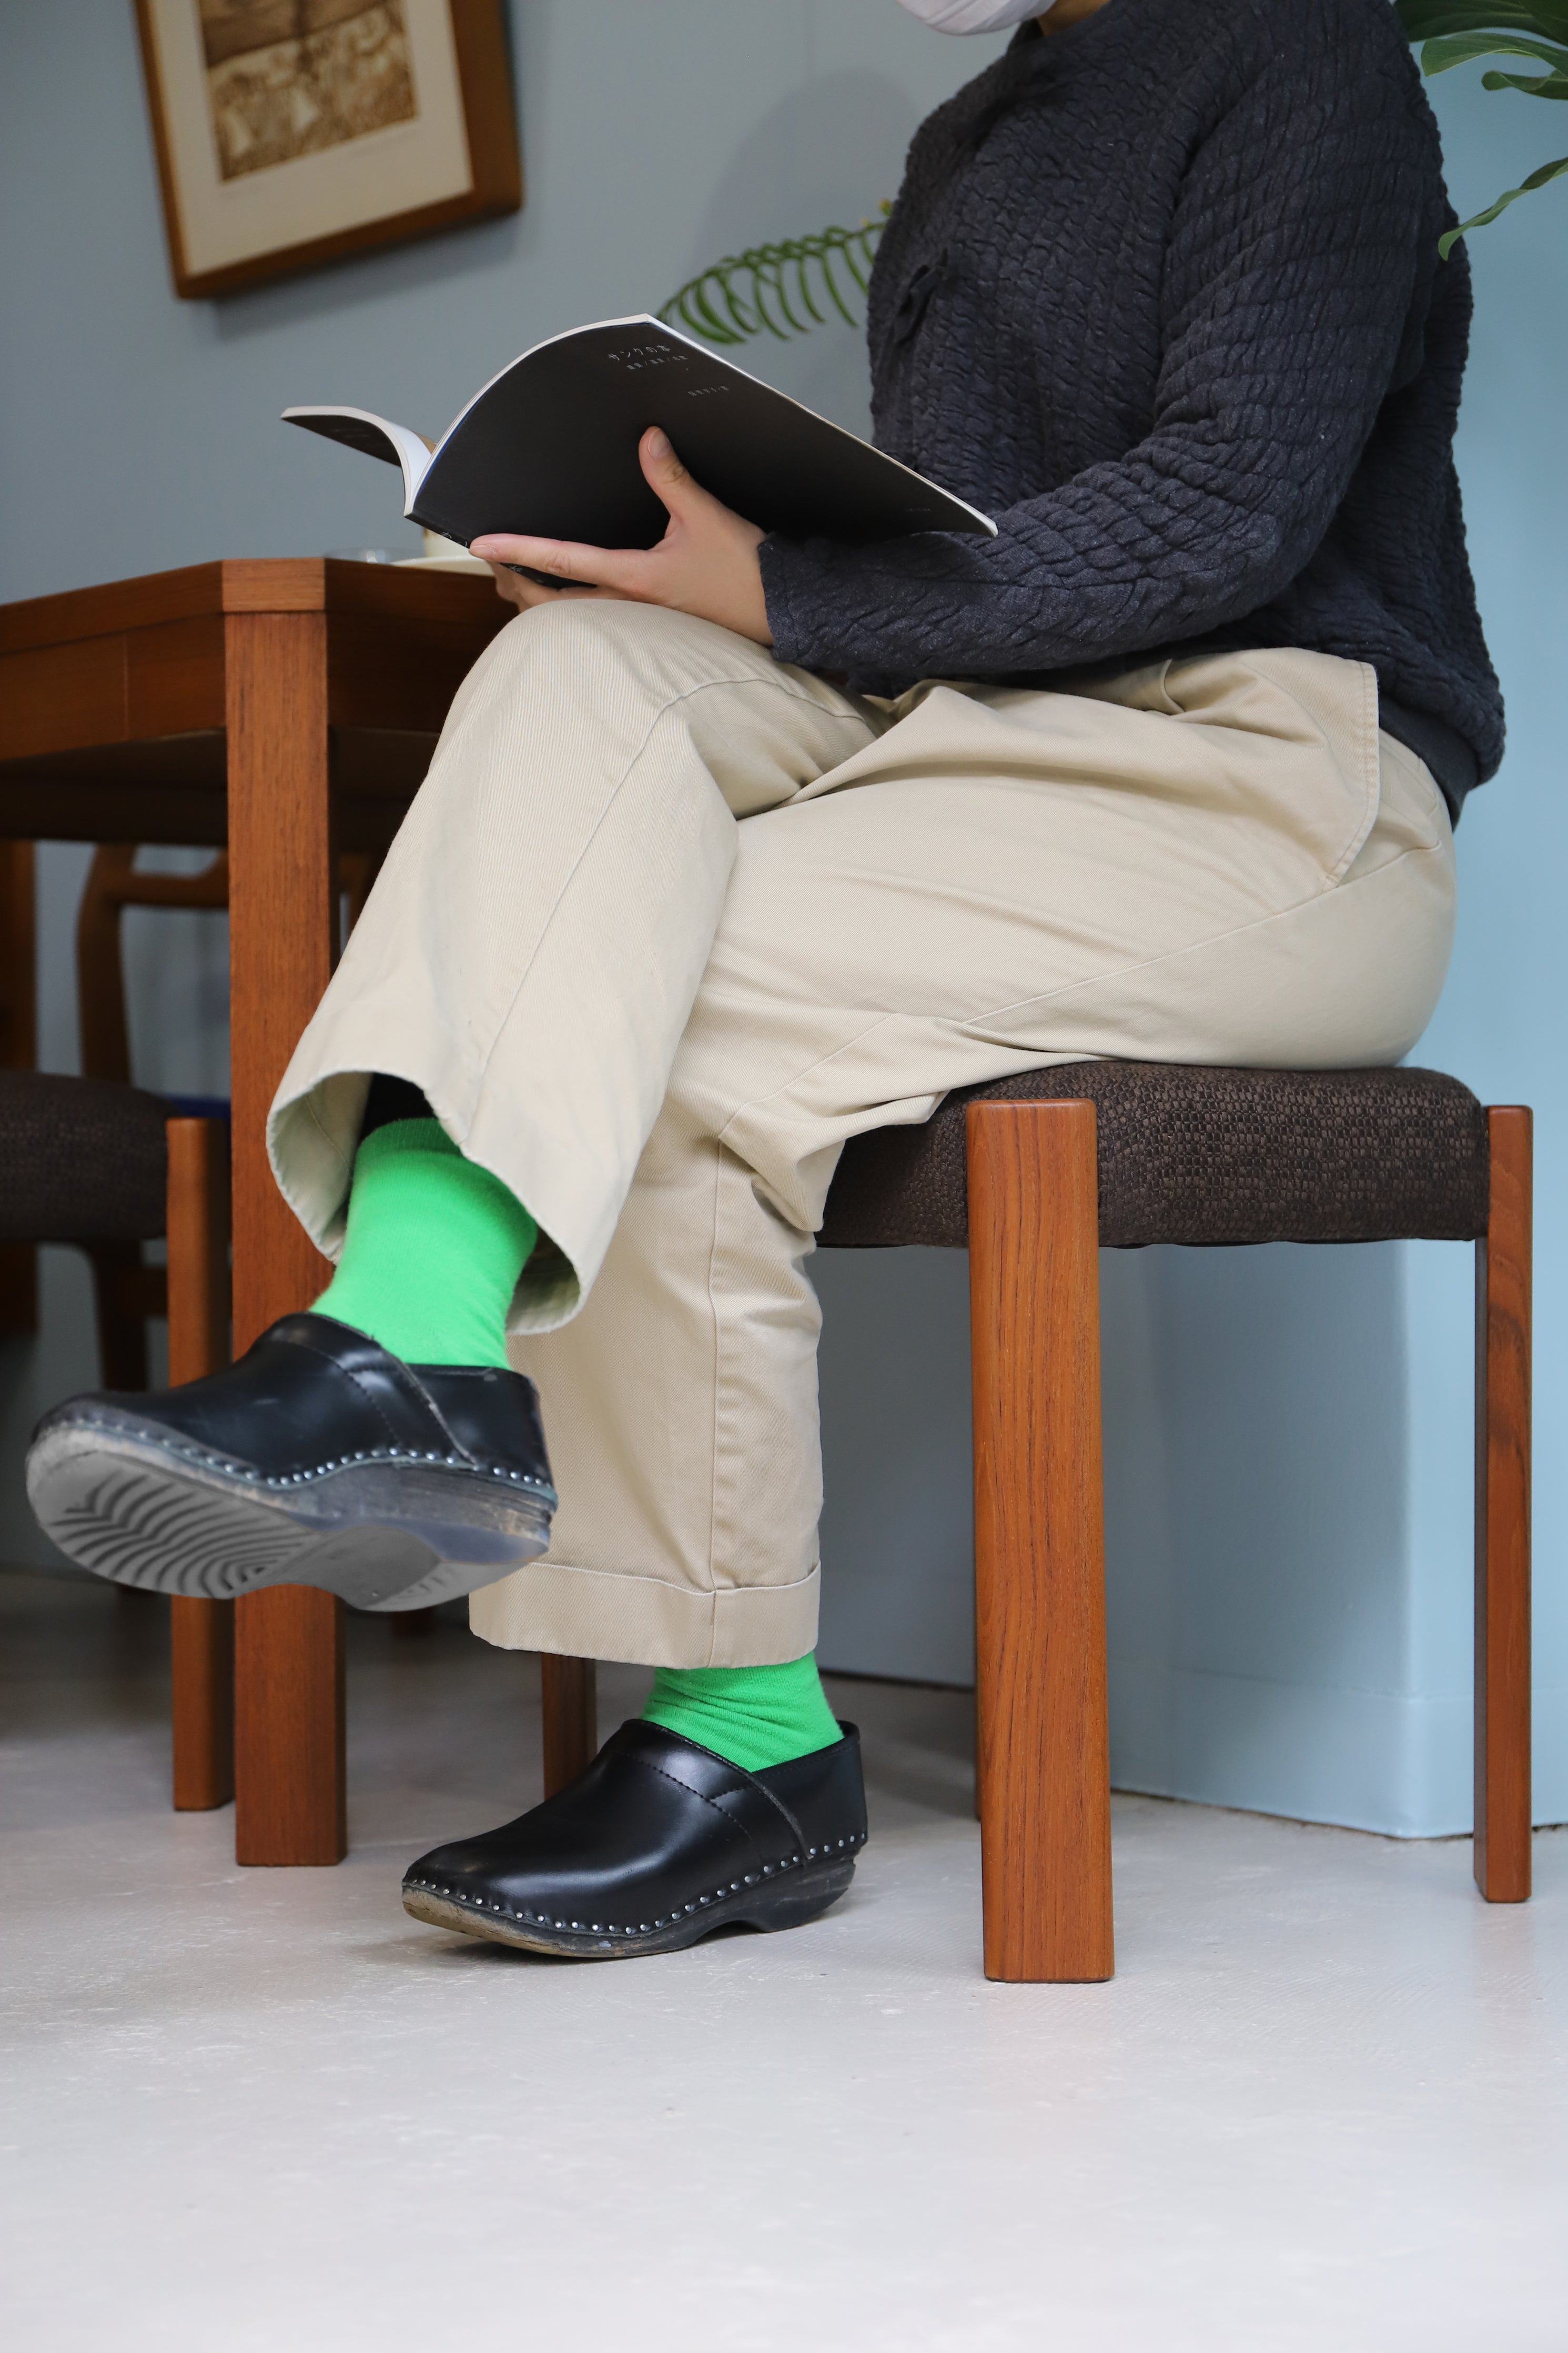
[[550, 448]]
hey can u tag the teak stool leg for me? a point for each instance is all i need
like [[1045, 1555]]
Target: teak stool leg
[[201, 1632], [1039, 1544], [289, 1663], [568, 1689], [1503, 1517]]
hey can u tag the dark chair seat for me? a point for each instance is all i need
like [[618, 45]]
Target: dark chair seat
[[80, 1160], [1202, 1156]]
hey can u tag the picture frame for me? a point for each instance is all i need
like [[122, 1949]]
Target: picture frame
[[291, 133]]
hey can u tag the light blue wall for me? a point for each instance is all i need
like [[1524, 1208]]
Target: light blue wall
[[1289, 1509], [1288, 1434]]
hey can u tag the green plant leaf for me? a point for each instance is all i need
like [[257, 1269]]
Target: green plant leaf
[[1555, 85], [1428, 20], [762, 286], [708, 322], [803, 288], [845, 312], [1537, 179], [1458, 49], [1453, 33], [743, 322]]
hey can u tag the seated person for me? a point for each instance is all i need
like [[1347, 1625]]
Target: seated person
[[734, 847]]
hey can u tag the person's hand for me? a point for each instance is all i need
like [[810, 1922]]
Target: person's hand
[[706, 563]]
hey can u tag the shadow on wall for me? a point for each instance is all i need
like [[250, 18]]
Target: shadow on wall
[[1256, 1460], [844, 137]]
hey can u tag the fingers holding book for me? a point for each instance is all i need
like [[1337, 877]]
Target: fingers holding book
[[705, 565]]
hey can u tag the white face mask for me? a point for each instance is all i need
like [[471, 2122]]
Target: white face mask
[[974, 15]]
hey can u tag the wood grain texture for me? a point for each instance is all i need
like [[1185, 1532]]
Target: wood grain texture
[[279, 584], [495, 171], [280, 929], [198, 1220], [490, 105], [1039, 1554], [243, 584], [71, 614], [18, 957], [289, 1771], [569, 1695], [58, 697], [18, 1051], [288, 1685], [1502, 1815], [175, 677], [201, 1633], [165, 679], [112, 605], [249, 584]]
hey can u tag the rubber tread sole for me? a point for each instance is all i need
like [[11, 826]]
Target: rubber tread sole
[[140, 1519]]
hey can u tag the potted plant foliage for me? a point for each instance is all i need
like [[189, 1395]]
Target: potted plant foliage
[[774, 288], [1452, 33]]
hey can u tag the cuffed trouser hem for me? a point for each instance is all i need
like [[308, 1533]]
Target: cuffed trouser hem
[[593, 1613]]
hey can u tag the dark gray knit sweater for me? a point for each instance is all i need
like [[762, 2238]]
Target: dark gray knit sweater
[[1161, 294]]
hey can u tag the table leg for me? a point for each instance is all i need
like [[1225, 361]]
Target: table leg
[[289, 1683], [568, 1690], [201, 1632]]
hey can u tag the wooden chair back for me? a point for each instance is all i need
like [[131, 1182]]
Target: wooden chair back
[[126, 1292], [18, 1051]]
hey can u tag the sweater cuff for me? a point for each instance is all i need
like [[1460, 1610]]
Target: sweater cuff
[[792, 587]]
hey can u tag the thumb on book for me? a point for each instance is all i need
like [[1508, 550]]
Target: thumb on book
[[662, 469]]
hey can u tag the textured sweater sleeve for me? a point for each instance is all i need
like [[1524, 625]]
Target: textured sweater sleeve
[[1296, 243]]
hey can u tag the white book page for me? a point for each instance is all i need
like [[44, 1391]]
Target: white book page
[[410, 451]]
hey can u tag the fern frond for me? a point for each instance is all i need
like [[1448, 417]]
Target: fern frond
[[737, 298]]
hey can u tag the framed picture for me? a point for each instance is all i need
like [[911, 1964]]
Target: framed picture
[[290, 132]]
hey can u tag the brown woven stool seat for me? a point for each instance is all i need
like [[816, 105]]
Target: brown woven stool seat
[[80, 1160], [1202, 1156]]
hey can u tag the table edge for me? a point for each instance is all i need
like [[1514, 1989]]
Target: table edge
[[239, 585]]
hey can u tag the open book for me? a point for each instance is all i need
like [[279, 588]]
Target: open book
[[550, 448]]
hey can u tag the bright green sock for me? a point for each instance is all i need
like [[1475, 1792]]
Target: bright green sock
[[755, 1716], [434, 1246]]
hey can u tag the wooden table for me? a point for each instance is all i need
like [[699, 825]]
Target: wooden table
[[289, 709]]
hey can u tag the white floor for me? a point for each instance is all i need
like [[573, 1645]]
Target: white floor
[[1324, 2102]]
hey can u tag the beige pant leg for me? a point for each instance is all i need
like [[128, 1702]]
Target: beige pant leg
[[1217, 862], [530, 950]]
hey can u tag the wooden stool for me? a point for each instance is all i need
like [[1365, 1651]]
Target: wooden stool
[[1034, 1174]]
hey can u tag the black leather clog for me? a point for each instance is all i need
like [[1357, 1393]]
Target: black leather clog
[[656, 1845], [319, 1459]]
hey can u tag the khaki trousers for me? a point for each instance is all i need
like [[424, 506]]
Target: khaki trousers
[[670, 920]]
